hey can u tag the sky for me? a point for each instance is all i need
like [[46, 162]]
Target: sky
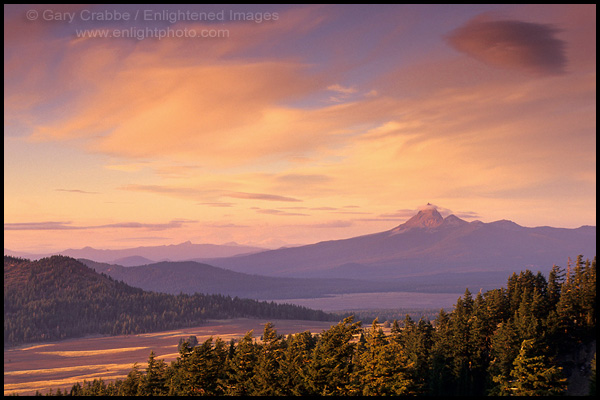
[[274, 125]]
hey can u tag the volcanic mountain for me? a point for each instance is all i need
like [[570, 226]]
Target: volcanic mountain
[[427, 244], [428, 217]]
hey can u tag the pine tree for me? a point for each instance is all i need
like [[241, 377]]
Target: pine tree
[[462, 345], [480, 336], [533, 375], [130, 385], [395, 330], [153, 382], [556, 278], [240, 379], [268, 374], [505, 345], [588, 297], [383, 366], [441, 378], [296, 363], [331, 368], [526, 321]]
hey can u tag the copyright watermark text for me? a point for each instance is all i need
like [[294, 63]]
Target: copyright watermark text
[[145, 15], [140, 22]]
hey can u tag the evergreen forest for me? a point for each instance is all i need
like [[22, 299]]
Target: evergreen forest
[[59, 298], [520, 340]]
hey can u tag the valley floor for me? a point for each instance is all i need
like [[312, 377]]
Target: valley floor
[[61, 364], [368, 301]]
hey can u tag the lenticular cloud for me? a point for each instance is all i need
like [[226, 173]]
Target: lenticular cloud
[[526, 46]]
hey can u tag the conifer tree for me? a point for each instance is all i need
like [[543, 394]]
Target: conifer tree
[[296, 363], [240, 379], [383, 366], [441, 375], [505, 347], [268, 379], [130, 385], [331, 368], [555, 280], [462, 344], [153, 382], [480, 336], [202, 369], [395, 330], [533, 375], [588, 297]]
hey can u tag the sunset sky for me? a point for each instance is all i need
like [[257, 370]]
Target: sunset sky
[[306, 123]]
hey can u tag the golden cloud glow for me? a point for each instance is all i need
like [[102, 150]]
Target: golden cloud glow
[[298, 112]]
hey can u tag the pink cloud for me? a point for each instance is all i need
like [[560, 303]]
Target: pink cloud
[[51, 225]]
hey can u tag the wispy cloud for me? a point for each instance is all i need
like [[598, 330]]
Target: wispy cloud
[[191, 192], [224, 225], [341, 89], [179, 191], [467, 214], [76, 191], [304, 179], [217, 204], [332, 224], [39, 226], [341, 93], [400, 214], [351, 212], [154, 227], [53, 225], [260, 196], [131, 167], [279, 212]]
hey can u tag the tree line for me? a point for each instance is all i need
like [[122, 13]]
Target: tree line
[[58, 298], [517, 340]]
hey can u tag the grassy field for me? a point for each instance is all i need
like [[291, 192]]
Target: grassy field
[[61, 364]]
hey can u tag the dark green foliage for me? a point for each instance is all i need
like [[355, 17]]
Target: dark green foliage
[[240, 373], [58, 298], [383, 366], [510, 341], [199, 370], [154, 382], [268, 376], [296, 362], [533, 374], [332, 362]]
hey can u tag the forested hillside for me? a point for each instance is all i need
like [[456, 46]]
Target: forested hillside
[[534, 337], [59, 297]]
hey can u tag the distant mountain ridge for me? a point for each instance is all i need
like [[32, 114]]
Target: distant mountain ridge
[[149, 254]]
